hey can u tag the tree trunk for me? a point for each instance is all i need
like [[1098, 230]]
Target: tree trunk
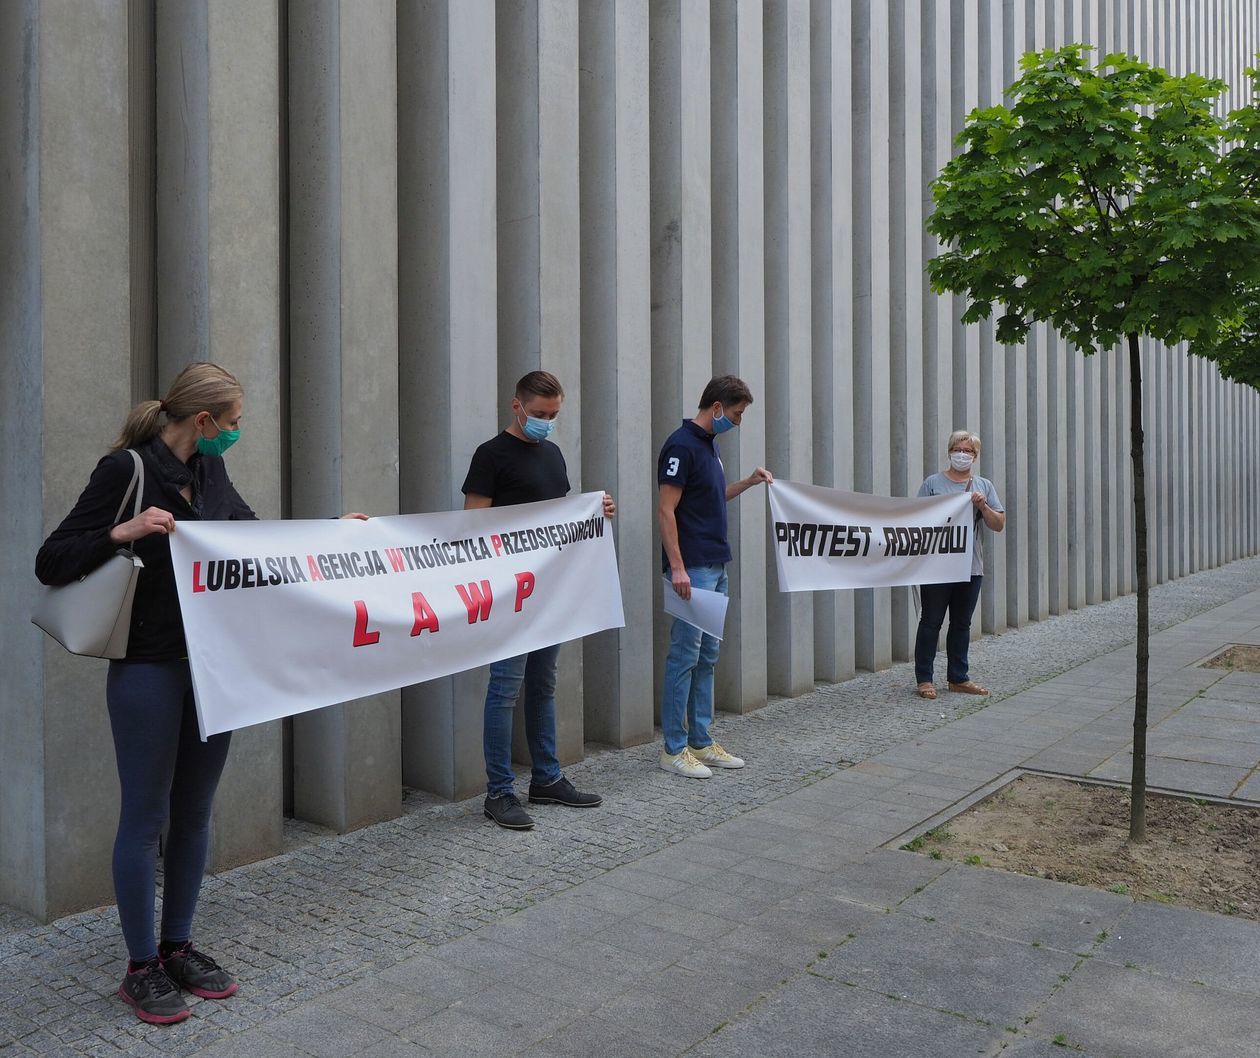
[[1137, 809]]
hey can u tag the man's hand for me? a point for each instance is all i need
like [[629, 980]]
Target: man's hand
[[681, 583], [761, 474], [610, 508]]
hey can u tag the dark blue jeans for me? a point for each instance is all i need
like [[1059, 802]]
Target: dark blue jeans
[[535, 673], [960, 600], [166, 774]]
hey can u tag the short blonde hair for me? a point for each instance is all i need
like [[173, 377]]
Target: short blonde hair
[[957, 438]]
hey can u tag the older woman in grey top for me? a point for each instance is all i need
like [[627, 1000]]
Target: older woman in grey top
[[958, 599]]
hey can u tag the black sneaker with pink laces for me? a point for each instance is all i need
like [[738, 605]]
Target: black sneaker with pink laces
[[152, 994], [196, 972]]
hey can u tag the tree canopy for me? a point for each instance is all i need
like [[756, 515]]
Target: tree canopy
[[1108, 201]]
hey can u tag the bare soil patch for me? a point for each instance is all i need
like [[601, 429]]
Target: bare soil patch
[[1197, 854], [1241, 657]]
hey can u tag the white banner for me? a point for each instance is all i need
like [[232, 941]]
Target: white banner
[[825, 538], [287, 616]]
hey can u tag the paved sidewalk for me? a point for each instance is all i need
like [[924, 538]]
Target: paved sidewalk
[[756, 913]]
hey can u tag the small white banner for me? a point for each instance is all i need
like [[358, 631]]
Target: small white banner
[[287, 616], [824, 538], [705, 610]]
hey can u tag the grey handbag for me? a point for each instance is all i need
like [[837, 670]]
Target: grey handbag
[[92, 615]]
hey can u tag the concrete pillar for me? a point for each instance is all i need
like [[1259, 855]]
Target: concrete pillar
[[218, 293], [447, 268], [680, 225], [343, 354], [871, 376], [789, 443], [65, 338], [616, 350], [831, 167], [538, 254], [906, 216], [939, 311], [739, 321], [992, 380]]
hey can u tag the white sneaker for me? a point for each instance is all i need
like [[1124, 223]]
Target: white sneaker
[[684, 763], [716, 757]]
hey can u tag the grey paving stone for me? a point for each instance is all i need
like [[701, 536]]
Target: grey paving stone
[[253, 1044], [591, 1035], [936, 965], [883, 878], [1210, 750], [813, 1018], [822, 923], [451, 1031], [427, 976], [1031, 910], [1030, 1047], [1192, 946], [1121, 1013], [1209, 780], [324, 1031], [394, 1047], [1248, 790], [377, 1002], [678, 1006]]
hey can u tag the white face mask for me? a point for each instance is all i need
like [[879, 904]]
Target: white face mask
[[961, 461]]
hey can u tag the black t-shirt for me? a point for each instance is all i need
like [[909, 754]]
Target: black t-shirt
[[510, 471]]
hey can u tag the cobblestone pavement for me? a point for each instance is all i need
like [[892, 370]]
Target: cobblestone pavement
[[334, 909]]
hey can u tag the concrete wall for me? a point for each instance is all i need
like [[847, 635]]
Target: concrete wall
[[381, 213]]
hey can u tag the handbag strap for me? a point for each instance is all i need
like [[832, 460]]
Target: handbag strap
[[137, 482]]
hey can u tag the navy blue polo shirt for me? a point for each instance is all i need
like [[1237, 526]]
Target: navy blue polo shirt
[[690, 460]]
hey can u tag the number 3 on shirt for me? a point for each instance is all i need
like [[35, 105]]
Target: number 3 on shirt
[[672, 469]]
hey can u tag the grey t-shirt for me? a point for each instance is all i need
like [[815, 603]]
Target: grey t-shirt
[[940, 485]]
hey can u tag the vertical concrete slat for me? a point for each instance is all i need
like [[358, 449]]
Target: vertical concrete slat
[[831, 168], [218, 296], [616, 349], [65, 348], [906, 294], [539, 264], [448, 333], [871, 378], [789, 445], [681, 237], [739, 329], [343, 357]]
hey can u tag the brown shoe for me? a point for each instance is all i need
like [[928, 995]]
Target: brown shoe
[[967, 688], [926, 690]]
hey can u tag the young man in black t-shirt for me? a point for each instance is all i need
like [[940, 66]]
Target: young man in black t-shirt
[[521, 465]]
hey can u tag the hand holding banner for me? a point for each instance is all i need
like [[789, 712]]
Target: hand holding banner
[[284, 617], [825, 538]]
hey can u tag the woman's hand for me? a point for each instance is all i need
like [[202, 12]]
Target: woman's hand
[[610, 508], [150, 520], [355, 514]]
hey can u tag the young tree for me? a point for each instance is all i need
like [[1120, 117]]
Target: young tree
[[1113, 203]]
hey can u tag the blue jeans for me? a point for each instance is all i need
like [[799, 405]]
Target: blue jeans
[[536, 671], [687, 697], [960, 600], [166, 773]]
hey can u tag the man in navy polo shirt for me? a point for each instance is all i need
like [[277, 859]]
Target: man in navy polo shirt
[[692, 513]]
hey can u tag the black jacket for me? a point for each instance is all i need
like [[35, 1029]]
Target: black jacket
[[81, 542]]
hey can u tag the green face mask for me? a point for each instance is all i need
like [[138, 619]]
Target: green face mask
[[220, 443]]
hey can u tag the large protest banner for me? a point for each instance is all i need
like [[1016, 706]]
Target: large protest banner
[[825, 538], [283, 617]]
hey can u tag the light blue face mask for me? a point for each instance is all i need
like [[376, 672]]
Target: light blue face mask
[[538, 429], [219, 443], [721, 423]]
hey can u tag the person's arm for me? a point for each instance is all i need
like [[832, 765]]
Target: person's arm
[[993, 517], [761, 474], [475, 501], [666, 504], [87, 535]]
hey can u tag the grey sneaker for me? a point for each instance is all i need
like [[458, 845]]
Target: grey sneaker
[[197, 973], [150, 992], [507, 812]]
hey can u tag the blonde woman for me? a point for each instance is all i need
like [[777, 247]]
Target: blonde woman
[[963, 450], [167, 775]]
